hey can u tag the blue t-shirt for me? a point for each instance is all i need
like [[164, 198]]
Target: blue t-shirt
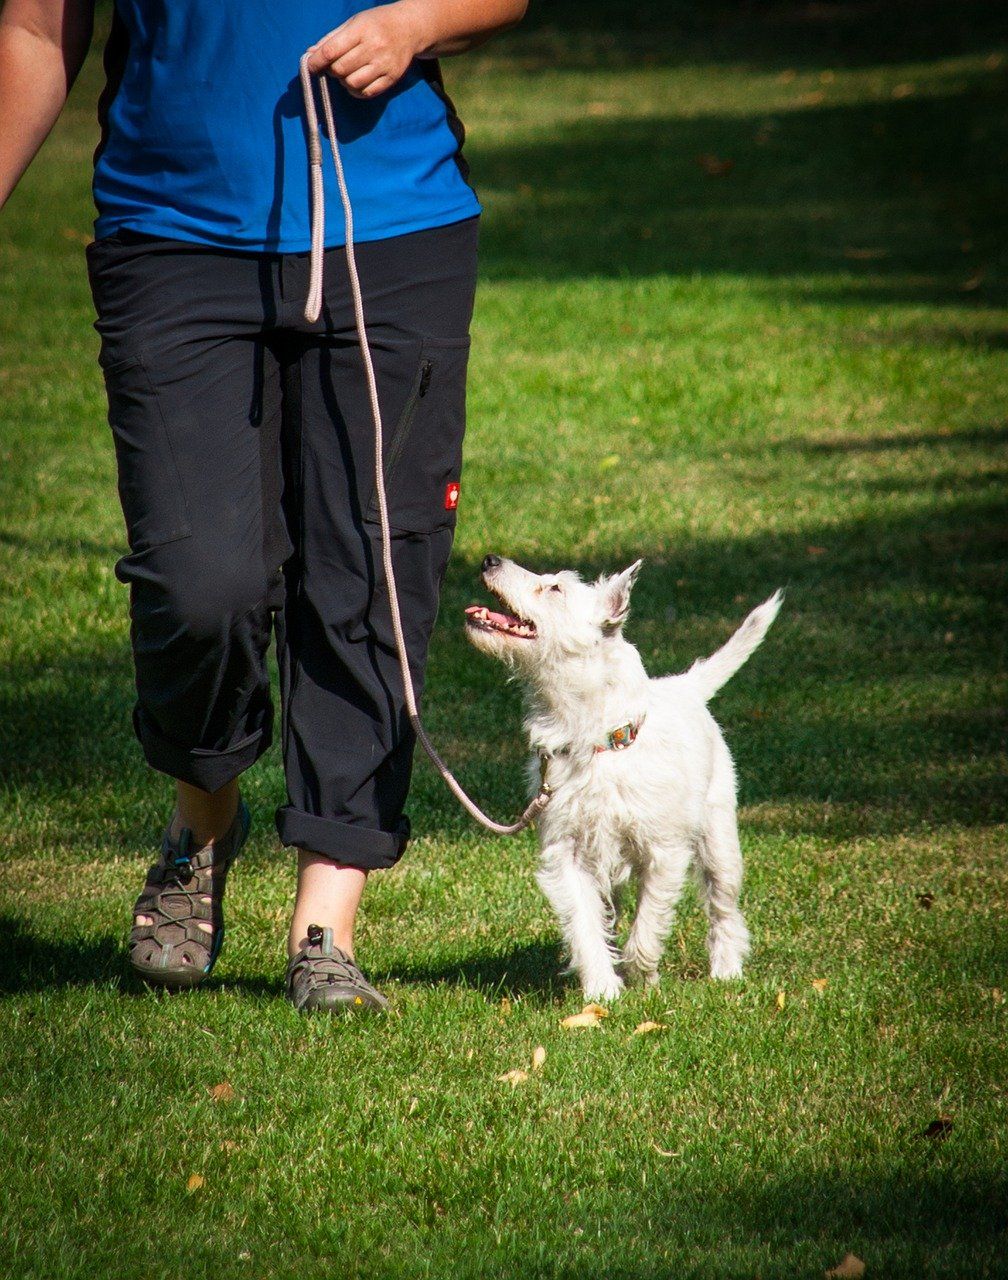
[[203, 134]]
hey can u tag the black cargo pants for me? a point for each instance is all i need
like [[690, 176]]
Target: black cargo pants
[[245, 458]]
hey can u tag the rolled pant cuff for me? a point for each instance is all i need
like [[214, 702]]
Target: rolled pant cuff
[[206, 769], [349, 845]]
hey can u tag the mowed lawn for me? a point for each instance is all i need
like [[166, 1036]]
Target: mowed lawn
[[743, 313]]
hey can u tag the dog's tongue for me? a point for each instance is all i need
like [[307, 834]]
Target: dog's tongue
[[495, 619]]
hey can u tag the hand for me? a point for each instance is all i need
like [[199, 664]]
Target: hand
[[370, 52]]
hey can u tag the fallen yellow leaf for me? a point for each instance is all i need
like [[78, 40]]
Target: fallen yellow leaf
[[850, 1267], [222, 1092], [590, 1016], [195, 1182], [820, 983], [579, 1020], [780, 1001], [538, 1057], [513, 1077], [643, 1028], [505, 1006]]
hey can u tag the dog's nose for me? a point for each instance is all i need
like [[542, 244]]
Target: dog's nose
[[491, 562]]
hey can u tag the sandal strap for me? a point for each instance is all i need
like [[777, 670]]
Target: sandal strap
[[184, 889], [321, 964]]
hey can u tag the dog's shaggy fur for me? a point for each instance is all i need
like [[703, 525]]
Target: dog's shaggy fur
[[652, 809]]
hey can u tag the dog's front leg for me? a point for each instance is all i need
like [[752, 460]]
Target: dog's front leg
[[659, 887], [585, 918]]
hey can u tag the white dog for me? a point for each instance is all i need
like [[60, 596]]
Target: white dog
[[642, 779]]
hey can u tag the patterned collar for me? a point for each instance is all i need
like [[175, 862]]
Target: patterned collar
[[621, 738], [618, 739]]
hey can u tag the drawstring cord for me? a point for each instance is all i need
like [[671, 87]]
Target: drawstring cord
[[313, 308]]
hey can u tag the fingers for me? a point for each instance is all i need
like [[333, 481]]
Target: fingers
[[369, 53], [337, 44], [368, 83]]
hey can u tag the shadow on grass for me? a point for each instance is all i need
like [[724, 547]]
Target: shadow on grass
[[878, 197], [533, 968], [32, 963], [831, 711], [983, 436], [591, 35]]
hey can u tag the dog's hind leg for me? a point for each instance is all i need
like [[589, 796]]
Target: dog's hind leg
[[721, 882], [585, 918], [659, 887]]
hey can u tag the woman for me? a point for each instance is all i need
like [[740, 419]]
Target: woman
[[242, 432]]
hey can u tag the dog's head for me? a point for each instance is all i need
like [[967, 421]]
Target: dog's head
[[551, 618]]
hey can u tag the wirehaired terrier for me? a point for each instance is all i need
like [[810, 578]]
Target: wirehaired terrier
[[643, 783]]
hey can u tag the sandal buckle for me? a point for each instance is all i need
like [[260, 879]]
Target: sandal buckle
[[183, 866]]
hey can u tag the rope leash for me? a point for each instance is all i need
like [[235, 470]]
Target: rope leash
[[313, 308]]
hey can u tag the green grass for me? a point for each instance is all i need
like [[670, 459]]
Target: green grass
[[793, 374]]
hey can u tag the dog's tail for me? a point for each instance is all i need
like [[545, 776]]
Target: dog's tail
[[709, 674]]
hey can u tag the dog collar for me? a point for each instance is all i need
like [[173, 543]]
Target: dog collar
[[618, 739], [621, 738]]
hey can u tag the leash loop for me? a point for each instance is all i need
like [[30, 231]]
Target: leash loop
[[313, 309]]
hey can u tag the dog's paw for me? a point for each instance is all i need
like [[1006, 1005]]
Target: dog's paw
[[725, 968], [601, 989]]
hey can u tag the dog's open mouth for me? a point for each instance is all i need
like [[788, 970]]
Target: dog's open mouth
[[481, 618]]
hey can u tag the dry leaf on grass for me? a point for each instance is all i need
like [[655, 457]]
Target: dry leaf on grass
[[938, 1130], [538, 1057], [222, 1092], [713, 165], [513, 1077], [643, 1028], [850, 1267], [666, 1155], [780, 1001], [505, 1007], [590, 1016], [196, 1181], [820, 984], [579, 1020], [997, 995]]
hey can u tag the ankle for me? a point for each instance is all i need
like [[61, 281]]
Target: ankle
[[209, 815], [328, 895], [341, 939]]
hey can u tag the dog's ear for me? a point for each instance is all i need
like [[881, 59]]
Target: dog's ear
[[616, 598]]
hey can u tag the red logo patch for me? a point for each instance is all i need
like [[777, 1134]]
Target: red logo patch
[[451, 495]]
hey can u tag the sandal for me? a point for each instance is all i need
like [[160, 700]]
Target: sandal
[[321, 976], [184, 889]]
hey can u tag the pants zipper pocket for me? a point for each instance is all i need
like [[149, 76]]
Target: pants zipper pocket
[[401, 434]]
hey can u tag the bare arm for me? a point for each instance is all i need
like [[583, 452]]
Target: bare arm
[[42, 48], [370, 52]]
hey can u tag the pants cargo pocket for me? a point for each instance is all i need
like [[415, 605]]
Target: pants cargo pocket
[[423, 452]]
